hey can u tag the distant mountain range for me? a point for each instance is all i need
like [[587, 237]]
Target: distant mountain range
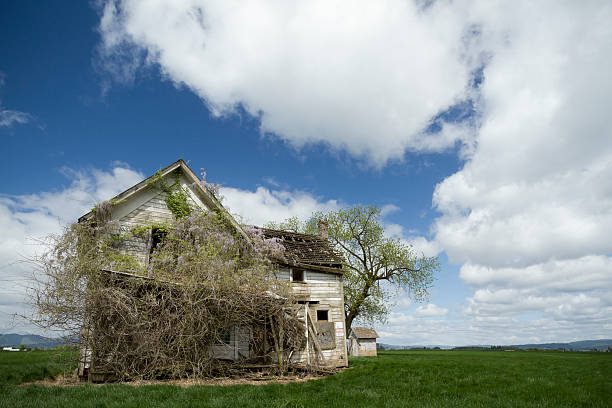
[[429, 346], [583, 345], [574, 345], [28, 340], [40, 342]]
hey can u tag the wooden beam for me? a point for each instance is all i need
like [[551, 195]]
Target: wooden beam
[[315, 341]]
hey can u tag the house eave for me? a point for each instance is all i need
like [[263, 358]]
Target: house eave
[[320, 268], [137, 187]]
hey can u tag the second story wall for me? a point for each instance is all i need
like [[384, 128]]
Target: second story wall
[[147, 208], [322, 294]]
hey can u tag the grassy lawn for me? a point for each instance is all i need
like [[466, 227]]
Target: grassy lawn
[[394, 379], [20, 367]]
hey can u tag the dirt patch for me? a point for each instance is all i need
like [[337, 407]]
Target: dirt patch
[[251, 379], [60, 380]]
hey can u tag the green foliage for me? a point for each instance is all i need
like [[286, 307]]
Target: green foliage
[[294, 224], [141, 231], [123, 262], [177, 198], [177, 203], [394, 379], [376, 265]]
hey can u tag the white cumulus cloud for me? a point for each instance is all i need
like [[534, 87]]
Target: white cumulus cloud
[[530, 213], [430, 310], [366, 77], [264, 205], [9, 117]]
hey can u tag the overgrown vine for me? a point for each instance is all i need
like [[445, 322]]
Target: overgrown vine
[[166, 319], [176, 197]]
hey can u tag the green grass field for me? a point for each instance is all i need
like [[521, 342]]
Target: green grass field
[[21, 367], [394, 379]]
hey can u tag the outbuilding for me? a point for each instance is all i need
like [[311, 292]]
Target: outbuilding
[[363, 341]]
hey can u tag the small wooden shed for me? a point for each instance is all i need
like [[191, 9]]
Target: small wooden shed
[[363, 341]]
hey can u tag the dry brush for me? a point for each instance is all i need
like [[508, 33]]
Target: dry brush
[[165, 318]]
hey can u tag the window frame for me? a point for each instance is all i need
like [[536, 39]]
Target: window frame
[[157, 237], [301, 273]]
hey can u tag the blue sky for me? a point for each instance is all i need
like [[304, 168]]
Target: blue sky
[[478, 128]]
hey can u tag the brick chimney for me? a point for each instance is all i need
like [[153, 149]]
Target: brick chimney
[[323, 229]]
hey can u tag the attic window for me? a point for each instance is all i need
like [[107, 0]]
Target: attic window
[[157, 237], [298, 275], [322, 315]]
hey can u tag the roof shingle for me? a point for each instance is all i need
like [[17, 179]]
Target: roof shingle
[[364, 332], [305, 249]]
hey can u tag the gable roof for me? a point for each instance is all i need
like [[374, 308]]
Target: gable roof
[[200, 190], [364, 332], [307, 251], [301, 250]]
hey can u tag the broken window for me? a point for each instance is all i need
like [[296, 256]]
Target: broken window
[[322, 315], [157, 237], [298, 275]]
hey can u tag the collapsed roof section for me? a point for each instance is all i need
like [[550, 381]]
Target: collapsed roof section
[[307, 251]]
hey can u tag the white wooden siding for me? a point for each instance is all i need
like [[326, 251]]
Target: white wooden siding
[[148, 206], [367, 344], [327, 290]]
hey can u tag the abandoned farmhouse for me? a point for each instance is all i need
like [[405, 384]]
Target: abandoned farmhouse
[[309, 264]]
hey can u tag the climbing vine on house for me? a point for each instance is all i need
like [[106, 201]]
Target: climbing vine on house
[[166, 318], [177, 198]]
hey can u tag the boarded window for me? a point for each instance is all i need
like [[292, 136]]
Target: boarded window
[[326, 335], [298, 275]]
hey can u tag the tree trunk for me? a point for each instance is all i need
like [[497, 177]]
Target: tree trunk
[[354, 312], [349, 323]]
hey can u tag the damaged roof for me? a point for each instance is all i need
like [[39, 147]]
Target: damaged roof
[[307, 251], [301, 250], [364, 332]]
